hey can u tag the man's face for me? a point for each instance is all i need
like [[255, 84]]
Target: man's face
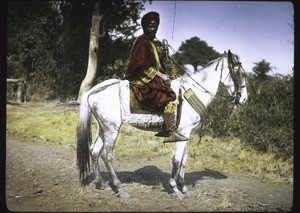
[[151, 29]]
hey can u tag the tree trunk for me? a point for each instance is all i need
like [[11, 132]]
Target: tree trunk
[[93, 52]]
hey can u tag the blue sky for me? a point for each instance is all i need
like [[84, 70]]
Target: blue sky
[[253, 30]]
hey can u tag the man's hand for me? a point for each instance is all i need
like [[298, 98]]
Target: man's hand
[[164, 77]]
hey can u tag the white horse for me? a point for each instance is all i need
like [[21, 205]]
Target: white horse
[[109, 103]]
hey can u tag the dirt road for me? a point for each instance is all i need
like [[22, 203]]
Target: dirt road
[[44, 178]]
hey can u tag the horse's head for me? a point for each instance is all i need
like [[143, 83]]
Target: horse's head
[[234, 78]]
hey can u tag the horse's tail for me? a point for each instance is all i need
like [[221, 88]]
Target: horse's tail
[[84, 137]]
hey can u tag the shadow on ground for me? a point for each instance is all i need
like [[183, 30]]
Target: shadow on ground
[[151, 176]]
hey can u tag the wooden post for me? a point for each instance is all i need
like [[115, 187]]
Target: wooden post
[[19, 90]]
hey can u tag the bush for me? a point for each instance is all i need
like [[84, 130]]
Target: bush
[[265, 122]]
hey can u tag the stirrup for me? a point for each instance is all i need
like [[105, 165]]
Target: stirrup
[[161, 134], [175, 137]]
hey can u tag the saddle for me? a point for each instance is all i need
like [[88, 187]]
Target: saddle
[[138, 107]]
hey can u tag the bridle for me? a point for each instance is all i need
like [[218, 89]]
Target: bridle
[[234, 75], [236, 72]]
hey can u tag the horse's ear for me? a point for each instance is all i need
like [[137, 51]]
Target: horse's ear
[[230, 55]]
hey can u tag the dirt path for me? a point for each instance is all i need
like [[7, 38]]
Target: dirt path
[[43, 178]]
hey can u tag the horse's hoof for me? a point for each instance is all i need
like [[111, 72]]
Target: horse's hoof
[[103, 186], [179, 195], [184, 190], [123, 195]]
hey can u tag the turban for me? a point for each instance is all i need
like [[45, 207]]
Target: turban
[[147, 18]]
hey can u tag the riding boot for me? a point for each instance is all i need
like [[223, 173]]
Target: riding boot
[[171, 134]]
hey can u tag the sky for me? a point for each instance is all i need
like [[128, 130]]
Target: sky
[[255, 31]]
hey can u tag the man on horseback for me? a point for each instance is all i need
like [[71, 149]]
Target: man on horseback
[[148, 79]]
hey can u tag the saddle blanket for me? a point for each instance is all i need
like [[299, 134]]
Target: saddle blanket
[[137, 114]]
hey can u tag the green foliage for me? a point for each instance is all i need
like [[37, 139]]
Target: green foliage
[[265, 121], [119, 24], [48, 43], [261, 69], [271, 113], [219, 109], [32, 47], [114, 57], [195, 52]]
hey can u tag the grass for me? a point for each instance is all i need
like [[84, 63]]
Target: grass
[[227, 155], [144, 143], [56, 127], [232, 157]]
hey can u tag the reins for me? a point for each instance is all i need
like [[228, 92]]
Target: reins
[[227, 98]]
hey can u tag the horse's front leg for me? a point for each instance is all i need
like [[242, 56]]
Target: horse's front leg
[[95, 150], [180, 180], [176, 180]]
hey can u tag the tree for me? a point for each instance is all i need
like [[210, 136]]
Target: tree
[[261, 69], [195, 52], [48, 42], [93, 52], [119, 19], [32, 44]]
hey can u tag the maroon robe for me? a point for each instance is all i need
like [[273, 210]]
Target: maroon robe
[[154, 94]]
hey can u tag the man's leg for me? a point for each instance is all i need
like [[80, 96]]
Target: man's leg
[[170, 133]]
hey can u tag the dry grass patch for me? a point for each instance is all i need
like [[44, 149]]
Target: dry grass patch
[[135, 143], [232, 157], [54, 127]]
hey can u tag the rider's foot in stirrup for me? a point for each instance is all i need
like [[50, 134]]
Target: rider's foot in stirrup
[[174, 136]]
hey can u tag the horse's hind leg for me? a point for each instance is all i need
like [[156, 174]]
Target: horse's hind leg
[[95, 150], [107, 157]]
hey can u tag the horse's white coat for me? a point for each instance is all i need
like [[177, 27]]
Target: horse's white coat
[[109, 103]]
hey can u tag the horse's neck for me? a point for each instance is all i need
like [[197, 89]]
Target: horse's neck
[[204, 83]]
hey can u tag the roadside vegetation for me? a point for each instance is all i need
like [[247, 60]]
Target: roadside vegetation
[[265, 122]]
